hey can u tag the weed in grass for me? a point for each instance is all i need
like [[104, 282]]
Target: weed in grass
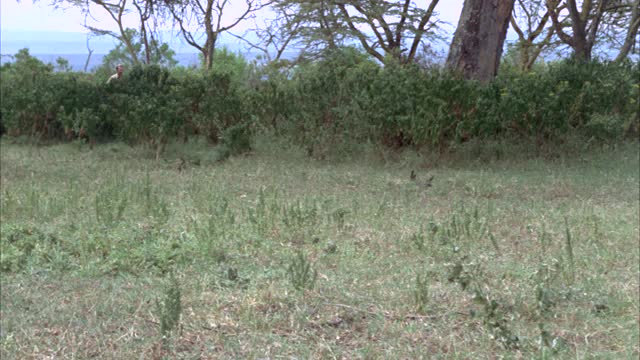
[[421, 293], [27, 246], [154, 206], [491, 310], [231, 278], [596, 232], [110, 204], [546, 277], [494, 242], [569, 251], [419, 240], [300, 214], [549, 346], [33, 202], [83, 311], [169, 307], [300, 273], [339, 216], [209, 237]]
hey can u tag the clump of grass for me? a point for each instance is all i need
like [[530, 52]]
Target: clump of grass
[[491, 310], [569, 251], [169, 308], [153, 204], [301, 275], [110, 204], [421, 293]]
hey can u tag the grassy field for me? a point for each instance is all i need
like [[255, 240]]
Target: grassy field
[[107, 253]]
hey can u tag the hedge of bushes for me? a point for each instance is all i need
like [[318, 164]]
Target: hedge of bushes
[[344, 97]]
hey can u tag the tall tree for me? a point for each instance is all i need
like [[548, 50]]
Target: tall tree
[[397, 26], [477, 43], [531, 21], [193, 16], [585, 21], [622, 27], [275, 36], [384, 29], [117, 10]]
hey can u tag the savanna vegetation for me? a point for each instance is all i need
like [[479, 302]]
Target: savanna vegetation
[[358, 200], [492, 251]]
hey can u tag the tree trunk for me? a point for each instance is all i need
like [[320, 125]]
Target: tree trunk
[[632, 32], [210, 42], [210, 50], [581, 49], [628, 44], [477, 43]]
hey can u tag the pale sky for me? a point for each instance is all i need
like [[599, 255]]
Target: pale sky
[[25, 15]]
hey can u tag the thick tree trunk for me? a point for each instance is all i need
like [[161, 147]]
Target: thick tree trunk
[[581, 49], [477, 43]]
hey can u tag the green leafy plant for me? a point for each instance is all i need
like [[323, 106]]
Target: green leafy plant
[[421, 293], [110, 205], [169, 308], [301, 274]]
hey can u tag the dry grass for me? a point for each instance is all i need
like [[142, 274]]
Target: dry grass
[[74, 286]]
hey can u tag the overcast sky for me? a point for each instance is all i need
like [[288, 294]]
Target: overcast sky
[[25, 15]]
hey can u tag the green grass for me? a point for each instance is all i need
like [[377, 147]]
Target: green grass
[[276, 255]]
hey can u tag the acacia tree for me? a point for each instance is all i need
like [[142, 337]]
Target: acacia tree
[[116, 10], [153, 52], [584, 24], [145, 37], [477, 43], [193, 16], [384, 29], [397, 26], [310, 26], [530, 19], [621, 27], [274, 37]]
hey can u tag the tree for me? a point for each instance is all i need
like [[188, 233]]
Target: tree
[[153, 52], [627, 19], [477, 43], [395, 24], [384, 29], [531, 21], [117, 10], [587, 21], [275, 36], [207, 15]]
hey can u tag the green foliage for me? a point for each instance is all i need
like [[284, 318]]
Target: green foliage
[[110, 205], [421, 293], [30, 247], [235, 140], [490, 309], [169, 308], [159, 54], [343, 98], [300, 273]]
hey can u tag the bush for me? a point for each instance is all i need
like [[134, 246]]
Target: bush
[[345, 97]]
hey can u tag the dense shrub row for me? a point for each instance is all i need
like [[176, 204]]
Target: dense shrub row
[[344, 97]]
